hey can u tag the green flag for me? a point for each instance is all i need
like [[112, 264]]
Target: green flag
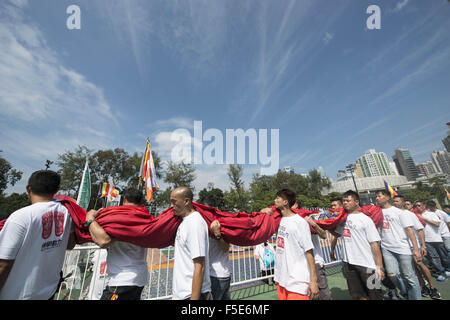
[[84, 193]]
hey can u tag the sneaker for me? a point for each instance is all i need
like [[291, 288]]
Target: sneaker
[[434, 294], [447, 274], [440, 278], [426, 292]]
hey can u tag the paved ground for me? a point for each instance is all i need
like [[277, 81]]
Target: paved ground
[[336, 283]]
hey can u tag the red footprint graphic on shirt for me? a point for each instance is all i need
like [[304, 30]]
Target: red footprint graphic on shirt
[[47, 225], [59, 223]]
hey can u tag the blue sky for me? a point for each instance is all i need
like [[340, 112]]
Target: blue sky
[[143, 68]]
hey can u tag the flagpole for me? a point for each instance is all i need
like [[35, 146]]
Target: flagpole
[[142, 164]]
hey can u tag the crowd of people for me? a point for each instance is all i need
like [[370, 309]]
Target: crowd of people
[[34, 239]]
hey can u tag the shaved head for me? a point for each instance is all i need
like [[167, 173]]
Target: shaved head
[[181, 201], [184, 193]]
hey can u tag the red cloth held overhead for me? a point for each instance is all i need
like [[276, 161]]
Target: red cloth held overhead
[[135, 225], [373, 212]]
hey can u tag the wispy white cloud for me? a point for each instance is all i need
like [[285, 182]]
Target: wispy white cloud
[[176, 122], [46, 107], [328, 37], [292, 44], [400, 5]]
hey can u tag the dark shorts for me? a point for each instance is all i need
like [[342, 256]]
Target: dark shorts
[[220, 288], [357, 282], [122, 293], [322, 283]]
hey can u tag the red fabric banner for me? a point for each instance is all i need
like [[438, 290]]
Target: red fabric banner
[[135, 224]]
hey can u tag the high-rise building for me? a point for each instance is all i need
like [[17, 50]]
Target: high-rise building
[[441, 161], [358, 171], [374, 164], [426, 168], [405, 164], [393, 168], [446, 141]]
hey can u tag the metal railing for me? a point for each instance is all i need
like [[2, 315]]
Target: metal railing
[[85, 270]]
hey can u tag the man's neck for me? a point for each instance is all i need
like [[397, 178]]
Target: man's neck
[[188, 212], [354, 211], [387, 205], [37, 199], [286, 212]]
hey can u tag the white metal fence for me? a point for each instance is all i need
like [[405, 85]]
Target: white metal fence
[[85, 270]]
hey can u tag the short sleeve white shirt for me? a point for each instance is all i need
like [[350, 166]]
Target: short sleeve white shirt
[[432, 233], [219, 260], [443, 228], [393, 234], [192, 241], [291, 266], [417, 225], [358, 231], [127, 264], [318, 254], [36, 238]]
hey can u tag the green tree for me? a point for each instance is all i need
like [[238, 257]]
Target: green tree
[[308, 188], [115, 166], [13, 202], [8, 175], [213, 196], [180, 174], [71, 165], [237, 198], [316, 183]]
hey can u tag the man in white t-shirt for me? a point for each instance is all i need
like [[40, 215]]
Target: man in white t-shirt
[[295, 269], [126, 262], [219, 260], [335, 204], [421, 269], [443, 228], [397, 239], [191, 277], [33, 242], [362, 261], [434, 243]]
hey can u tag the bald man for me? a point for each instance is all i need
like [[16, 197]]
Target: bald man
[[191, 278]]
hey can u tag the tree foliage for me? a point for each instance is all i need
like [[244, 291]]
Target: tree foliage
[[236, 198], [13, 202], [213, 197], [180, 174], [8, 175], [433, 188]]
